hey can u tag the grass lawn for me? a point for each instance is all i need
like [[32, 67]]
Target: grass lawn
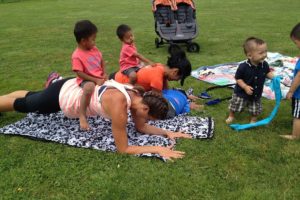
[[36, 37]]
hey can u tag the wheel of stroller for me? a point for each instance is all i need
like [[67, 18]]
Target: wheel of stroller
[[157, 42], [193, 47]]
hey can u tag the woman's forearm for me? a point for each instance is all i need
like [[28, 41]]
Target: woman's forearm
[[152, 130], [142, 149]]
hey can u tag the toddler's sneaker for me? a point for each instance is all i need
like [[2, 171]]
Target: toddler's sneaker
[[51, 77]]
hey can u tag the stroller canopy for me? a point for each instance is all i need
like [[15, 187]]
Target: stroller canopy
[[189, 2], [172, 3]]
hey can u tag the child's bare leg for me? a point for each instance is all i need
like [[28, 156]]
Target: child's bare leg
[[296, 128], [296, 131], [88, 89], [230, 118], [253, 119], [132, 77]]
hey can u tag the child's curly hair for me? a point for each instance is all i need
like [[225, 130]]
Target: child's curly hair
[[158, 106]]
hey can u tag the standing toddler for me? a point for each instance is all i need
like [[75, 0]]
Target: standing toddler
[[250, 77], [294, 91]]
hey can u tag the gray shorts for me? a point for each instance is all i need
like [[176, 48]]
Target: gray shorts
[[83, 83], [237, 104], [131, 69]]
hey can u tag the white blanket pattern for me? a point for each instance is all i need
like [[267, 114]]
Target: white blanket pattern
[[58, 128]]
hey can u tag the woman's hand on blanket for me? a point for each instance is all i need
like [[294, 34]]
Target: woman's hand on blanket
[[169, 154], [172, 135]]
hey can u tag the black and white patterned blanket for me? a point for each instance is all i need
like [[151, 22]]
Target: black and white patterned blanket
[[58, 128]]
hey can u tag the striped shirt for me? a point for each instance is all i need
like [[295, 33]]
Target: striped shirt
[[70, 96]]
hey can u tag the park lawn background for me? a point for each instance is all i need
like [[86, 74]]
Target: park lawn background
[[36, 37]]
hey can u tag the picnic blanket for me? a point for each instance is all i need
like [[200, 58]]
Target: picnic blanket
[[58, 128], [223, 74]]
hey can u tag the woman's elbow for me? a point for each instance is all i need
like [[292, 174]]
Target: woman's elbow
[[123, 150], [140, 129], [126, 150]]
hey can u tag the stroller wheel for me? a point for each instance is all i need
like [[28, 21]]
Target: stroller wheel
[[157, 42], [193, 47]]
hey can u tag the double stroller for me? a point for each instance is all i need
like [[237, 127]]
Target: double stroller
[[175, 22]]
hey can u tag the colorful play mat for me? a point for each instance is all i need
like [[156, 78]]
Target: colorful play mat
[[223, 74]]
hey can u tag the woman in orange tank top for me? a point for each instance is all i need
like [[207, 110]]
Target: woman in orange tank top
[[155, 77]]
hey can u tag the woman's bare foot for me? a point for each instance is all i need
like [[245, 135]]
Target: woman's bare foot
[[229, 120]]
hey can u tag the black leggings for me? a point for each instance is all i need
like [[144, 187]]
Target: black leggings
[[43, 102]]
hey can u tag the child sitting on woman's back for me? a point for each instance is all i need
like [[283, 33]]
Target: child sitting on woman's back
[[88, 64], [130, 60]]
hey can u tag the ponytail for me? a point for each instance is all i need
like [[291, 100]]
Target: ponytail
[[179, 60]]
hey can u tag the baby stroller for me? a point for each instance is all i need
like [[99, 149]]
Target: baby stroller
[[175, 22]]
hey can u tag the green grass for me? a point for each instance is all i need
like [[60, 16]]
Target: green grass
[[36, 38]]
